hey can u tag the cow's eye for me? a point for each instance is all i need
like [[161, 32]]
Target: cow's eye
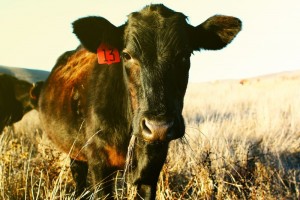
[[126, 56]]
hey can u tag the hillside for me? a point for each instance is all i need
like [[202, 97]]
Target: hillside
[[30, 75]]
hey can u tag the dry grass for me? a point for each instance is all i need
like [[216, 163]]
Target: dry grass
[[242, 142]]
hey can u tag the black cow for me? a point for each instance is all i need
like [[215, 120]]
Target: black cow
[[99, 107], [14, 99]]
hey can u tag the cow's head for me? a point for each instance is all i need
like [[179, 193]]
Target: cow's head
[[34, 93], [156, 44]]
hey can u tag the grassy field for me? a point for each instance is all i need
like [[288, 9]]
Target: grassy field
[[241, 142]]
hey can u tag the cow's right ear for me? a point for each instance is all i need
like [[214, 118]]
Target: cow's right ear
[[215, 33], [92, 31]]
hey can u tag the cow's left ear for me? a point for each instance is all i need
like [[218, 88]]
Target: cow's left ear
[[92, 31], [215, 33]]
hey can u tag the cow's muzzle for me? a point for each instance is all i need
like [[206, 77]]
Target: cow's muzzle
[[157, 130]]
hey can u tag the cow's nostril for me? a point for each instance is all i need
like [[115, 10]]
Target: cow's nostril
[[145, 127], [156, 130]]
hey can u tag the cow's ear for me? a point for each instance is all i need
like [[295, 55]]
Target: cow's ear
[[215, 33], [92, 31]]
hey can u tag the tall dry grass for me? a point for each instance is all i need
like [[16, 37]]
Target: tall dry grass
[[241, 142]]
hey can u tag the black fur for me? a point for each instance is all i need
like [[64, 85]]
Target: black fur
[[14, 100]]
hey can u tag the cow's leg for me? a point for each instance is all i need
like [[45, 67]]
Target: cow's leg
[[103, 176], [146, 192], [79, 171]]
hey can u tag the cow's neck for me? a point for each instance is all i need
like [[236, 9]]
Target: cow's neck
[[112, 98]]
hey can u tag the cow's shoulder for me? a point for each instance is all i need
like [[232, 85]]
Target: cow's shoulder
[[68, 83], [73, 67]]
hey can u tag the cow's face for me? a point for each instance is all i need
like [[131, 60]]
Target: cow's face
[[156, 45], [156, 58]]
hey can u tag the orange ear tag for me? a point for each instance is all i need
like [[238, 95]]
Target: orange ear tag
[[107, 54]]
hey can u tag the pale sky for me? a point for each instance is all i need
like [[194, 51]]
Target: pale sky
[[34, 33]]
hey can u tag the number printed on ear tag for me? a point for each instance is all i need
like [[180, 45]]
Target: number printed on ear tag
[[107, 54]]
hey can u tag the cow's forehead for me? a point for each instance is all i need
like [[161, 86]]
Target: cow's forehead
[[156, 17], [160, 30]]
